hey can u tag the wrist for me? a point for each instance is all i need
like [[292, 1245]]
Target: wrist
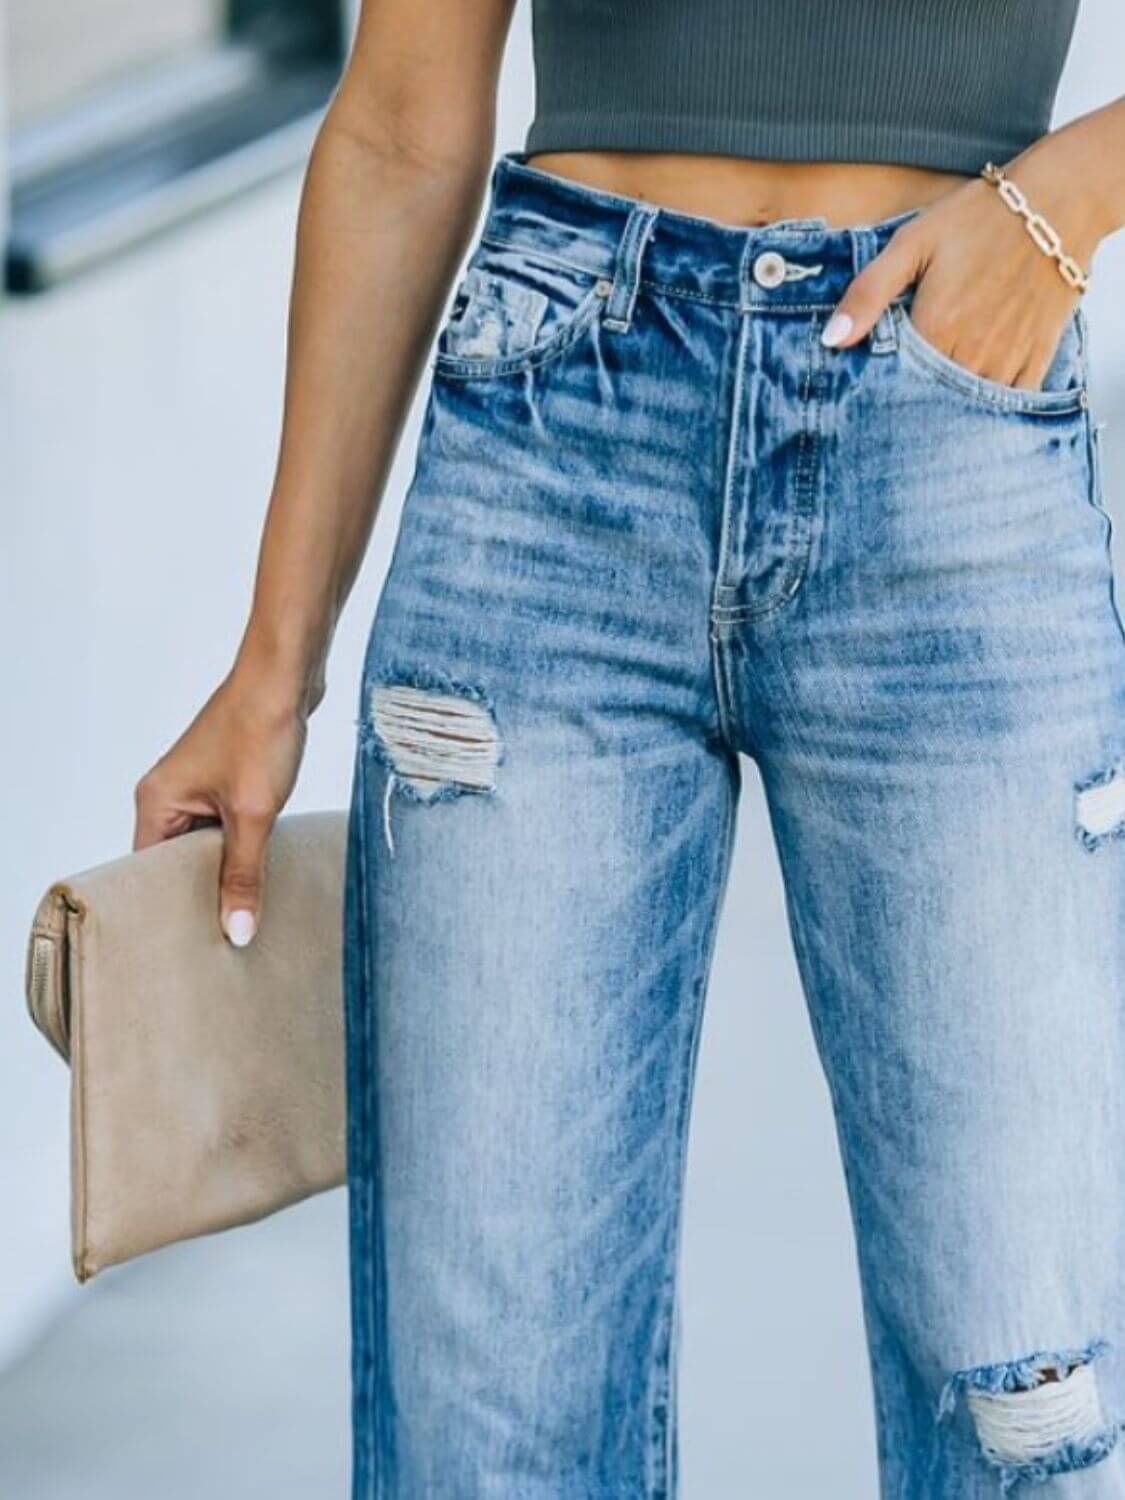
[[1063, 178], [284, 678]]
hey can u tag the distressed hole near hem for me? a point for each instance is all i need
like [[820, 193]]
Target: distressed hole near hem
[[1038, 1416], [1099, 806]]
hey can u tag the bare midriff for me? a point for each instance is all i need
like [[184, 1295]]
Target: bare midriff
[[744, 193]]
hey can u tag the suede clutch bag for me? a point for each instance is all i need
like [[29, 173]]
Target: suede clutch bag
[[206, 1081]]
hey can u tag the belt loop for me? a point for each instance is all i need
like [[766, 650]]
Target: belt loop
[[883, 338], [627, 271]]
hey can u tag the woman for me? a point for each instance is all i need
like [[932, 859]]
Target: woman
[[757, 424]]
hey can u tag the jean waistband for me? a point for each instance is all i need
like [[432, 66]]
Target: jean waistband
[[793, 265]]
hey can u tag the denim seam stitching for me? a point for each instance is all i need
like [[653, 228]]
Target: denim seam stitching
[[804, 489], [671, 291], [717, 610], [366, 1021], [652, 285], [726, 687], [668, 290]]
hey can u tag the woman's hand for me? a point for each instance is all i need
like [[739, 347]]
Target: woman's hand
[[401, 161], [235, 765], [986, 296]]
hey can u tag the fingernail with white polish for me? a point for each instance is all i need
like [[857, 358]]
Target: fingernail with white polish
[[836, 330], [241, 927]]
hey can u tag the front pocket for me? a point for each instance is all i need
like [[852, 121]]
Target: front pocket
[[1064, 389], [514, 310]]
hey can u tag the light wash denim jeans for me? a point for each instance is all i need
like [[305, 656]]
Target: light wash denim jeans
[[655, 525]]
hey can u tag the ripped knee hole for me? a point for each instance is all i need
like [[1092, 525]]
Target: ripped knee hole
[[1099, 807], [1038, 1416]]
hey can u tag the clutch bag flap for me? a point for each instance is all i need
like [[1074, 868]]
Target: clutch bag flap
[[206, 1081]]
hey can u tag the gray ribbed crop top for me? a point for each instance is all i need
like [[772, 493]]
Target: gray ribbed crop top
[[930, 83]]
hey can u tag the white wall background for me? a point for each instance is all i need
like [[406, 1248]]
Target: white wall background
[[138, 421]]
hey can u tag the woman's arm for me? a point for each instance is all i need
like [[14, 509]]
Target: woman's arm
[[394, 183], [1082, 168], [987, 297]]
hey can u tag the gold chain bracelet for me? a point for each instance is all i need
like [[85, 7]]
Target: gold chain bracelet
[[1045, 235]]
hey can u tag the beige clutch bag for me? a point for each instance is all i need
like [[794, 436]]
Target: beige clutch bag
[[206, 1081]]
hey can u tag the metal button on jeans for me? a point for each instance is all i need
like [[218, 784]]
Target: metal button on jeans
[[769, 269]]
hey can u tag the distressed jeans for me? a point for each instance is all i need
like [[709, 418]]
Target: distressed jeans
[[655, 526]]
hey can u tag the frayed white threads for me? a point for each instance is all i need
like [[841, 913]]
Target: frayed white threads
[[1018, 1427]]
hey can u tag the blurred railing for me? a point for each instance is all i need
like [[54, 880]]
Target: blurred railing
[[149, 147]]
